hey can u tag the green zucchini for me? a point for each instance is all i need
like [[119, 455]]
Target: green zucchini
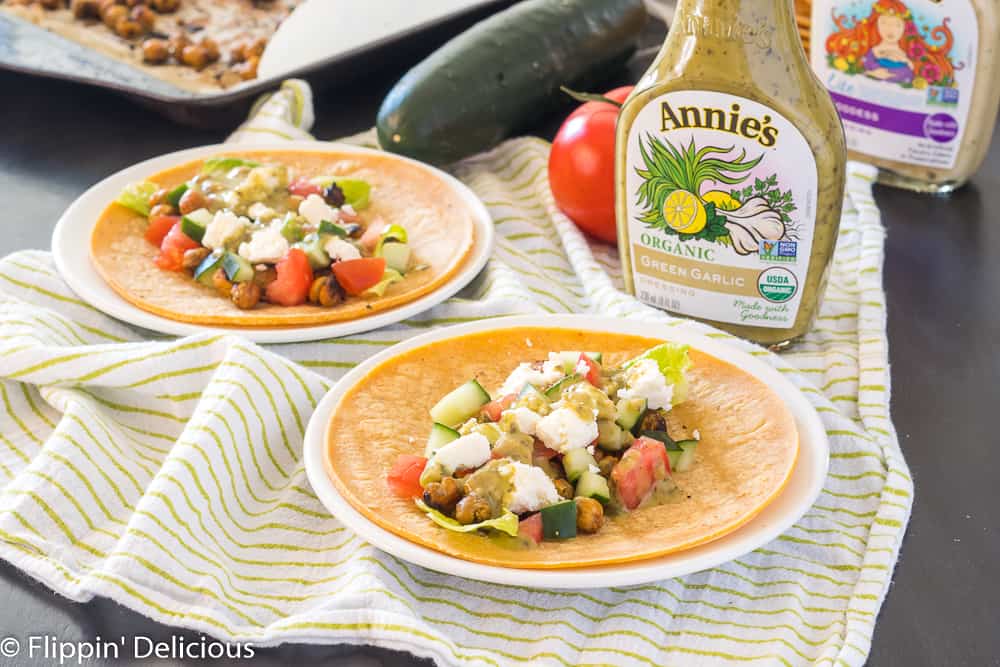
[[503, 73], [460, 404], [195, 223], [592, 485], [237, 269], [576, 462], [630, 412], [205, 272], [559, 520]]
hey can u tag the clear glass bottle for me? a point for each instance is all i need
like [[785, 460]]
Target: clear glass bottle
[[730, 173], [915, 82]]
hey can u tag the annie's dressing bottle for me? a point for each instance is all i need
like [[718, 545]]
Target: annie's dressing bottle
[[730, 173]]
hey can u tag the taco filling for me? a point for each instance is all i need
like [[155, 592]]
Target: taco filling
[[256, 232], [566, 444]]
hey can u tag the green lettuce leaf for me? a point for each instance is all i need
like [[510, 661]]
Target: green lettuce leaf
[[673, 361], [136, 196], [389, 277], [357, 192], [225, 164], [506, 523]]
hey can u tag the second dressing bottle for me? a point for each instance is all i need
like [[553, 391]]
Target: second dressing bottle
[[730, 173]]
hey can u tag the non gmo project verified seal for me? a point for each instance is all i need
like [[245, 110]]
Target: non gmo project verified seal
[[778, 251]]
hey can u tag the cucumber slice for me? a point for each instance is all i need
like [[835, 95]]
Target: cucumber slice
[[686, 458], [393, 234], [554, 392], [576, 462], [292, 230], [312, 246], [206, 270], [610, 436], [559, 520], [194, 223], [332, 228], [174, 196], [460, 404], [630, 412], [592, 485], [569, 359], [440, 435], [237, 269], [397, 256]]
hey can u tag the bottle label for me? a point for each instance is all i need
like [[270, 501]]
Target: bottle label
[[901, 78], [720, 199]]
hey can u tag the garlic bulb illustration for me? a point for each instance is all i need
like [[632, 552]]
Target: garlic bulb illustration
[[751, 223]]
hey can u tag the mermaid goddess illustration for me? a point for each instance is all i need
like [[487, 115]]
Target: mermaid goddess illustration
[[887, 46]]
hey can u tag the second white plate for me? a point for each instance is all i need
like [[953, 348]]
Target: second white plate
[[71, 252], [798, 496]]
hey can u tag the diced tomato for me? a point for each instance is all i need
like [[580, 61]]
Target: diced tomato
[[404, 478], [303, 188], [357, 275], [295, 277], [159, 227], [371, 236], [173, 247], [643, 465], [494, 409], [531, 527], [544, 452], [593, 374]]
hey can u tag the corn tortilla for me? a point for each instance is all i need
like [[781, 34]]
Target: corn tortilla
[[749, 445], [439, 224]]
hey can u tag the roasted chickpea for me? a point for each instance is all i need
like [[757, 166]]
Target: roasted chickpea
[[194, 56], [654, 420], [607, 464], [155, 51], [245, 295], [237, 54], [221, 283], [51, 4], [443, 495], [85, 9], [144, 16], [255, 48], [211, 49], [247, 70], [158, 197], [589, 515], [265, 277], [193, 257], [192, 200], [104, 5], [165, 6], [563, 488], [472, 508], [162, 209], [176, 45], [112, 14], [326, 291], [135, 3], [126, 28]]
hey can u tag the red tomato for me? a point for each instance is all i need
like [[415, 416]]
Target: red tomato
[[404, 478], [644, 464], [541, 451], [371, 236], [357, 275], [295, 277], [159, 227], [493, 409], [303, 188], [173, 247], [582, 166], [531, 527], [593, 375]]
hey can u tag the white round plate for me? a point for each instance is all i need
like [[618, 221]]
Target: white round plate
[[798, 496], [71, 251]]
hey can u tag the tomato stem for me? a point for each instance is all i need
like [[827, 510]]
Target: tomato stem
[[589, 97]]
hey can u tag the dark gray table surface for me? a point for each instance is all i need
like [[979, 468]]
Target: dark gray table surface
[[943, 282]]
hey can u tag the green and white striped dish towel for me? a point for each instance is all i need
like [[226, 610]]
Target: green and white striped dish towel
[[167, 474]]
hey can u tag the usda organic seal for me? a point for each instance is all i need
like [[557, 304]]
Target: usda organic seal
[[777, 284]]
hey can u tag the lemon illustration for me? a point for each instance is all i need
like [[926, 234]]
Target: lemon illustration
[[684, 212], [723, 200]]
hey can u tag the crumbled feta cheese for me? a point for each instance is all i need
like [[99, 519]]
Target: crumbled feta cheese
[[349, 210], [315, 209], [523, 419], [563, 430], [531, 489], [469, 451], [592, 468], [226, 226], [338, 248], [582, 367], [644, 380], [261, 212], [591, 449], [526, 374], [266, 245]]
